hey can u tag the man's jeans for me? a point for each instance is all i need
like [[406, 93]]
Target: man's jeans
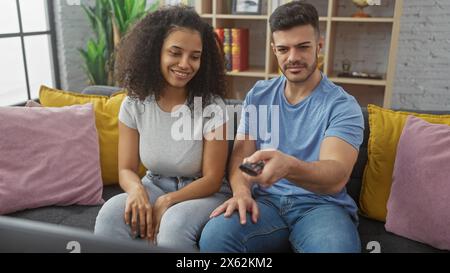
[[180, 225], [303, 224]]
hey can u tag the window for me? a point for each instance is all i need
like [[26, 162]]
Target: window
[[27, 49]]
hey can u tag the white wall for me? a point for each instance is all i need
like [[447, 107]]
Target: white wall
[[422, 79], [72, 31]]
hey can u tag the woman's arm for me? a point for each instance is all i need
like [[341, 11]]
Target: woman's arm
[[215, 152], [128, 158], [137, 205]]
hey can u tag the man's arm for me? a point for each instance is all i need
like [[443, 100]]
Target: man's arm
[[242, 197], [328, 175], [243, 147]]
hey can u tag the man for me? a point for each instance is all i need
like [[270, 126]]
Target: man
[[299, 199]]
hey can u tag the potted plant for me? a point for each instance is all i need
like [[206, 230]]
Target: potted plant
[[109, 20]]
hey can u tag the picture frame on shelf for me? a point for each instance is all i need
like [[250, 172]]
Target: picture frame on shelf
[[247, 7]]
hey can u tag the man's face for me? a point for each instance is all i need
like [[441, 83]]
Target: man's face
[[296, 50]]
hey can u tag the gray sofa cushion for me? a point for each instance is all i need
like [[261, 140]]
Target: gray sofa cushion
[[74, 216]]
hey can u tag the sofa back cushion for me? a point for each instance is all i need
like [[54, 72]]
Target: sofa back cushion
[[419, 203], [48, 156], [106, 110], [385, 129]]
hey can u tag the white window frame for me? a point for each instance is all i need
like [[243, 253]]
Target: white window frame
[[50, 32]]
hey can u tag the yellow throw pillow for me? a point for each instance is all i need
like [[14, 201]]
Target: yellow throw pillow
[[106, 120], [386, 127]]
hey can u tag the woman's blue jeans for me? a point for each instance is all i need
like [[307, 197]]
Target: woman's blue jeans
[[181, 224], [286, 223]]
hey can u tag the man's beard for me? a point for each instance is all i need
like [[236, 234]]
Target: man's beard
[[310, 69]]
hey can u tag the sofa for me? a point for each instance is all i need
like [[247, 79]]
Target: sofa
[[374, 237]]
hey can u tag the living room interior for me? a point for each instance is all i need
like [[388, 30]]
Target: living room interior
[[393, 56]]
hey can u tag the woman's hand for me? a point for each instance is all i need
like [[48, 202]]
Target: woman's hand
[[138, 207], [160, 207]]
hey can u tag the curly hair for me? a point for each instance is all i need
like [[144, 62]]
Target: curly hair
[[139, 56]]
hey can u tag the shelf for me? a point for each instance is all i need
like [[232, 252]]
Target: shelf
[[357, 81], [377, 34], [251, 72], [242, 17], [362, 20]]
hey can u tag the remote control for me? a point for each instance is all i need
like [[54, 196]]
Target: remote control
[[253, 169]]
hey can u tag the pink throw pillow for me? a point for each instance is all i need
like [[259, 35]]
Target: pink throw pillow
[[419, 204], [48, 156]]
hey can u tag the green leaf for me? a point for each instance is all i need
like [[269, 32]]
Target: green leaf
[[101, 34], [129, 6], [86, 66], [90, 14], [91, 49], [117, 7], [98, 56]]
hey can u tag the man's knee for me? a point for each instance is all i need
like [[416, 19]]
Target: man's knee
[[328, 244], [330, 230], [220, 234]]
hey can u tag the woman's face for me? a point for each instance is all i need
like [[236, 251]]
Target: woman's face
[[181, 56]]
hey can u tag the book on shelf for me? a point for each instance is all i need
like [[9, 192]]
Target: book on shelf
[[239, 50], [220, 34], [227, 47], [235, 43]]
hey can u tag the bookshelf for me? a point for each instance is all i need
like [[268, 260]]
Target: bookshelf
[[370, 44]]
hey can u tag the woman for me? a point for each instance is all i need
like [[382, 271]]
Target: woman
[[168, 59]]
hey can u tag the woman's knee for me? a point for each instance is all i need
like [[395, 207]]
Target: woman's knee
[[175, 226], [111, 214], [181, 225]]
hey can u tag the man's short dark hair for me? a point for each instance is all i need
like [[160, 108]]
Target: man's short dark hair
[[292, 14]]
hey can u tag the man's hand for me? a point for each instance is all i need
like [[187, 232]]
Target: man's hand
[[277, 165], [159, 208], [242, 202]]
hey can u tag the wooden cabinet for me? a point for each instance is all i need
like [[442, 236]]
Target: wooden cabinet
[[369, 44]]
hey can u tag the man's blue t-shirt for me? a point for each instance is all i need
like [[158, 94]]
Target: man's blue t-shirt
[[299, 130]]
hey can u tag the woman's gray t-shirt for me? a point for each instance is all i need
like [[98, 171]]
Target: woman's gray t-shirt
[[165, 145]]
